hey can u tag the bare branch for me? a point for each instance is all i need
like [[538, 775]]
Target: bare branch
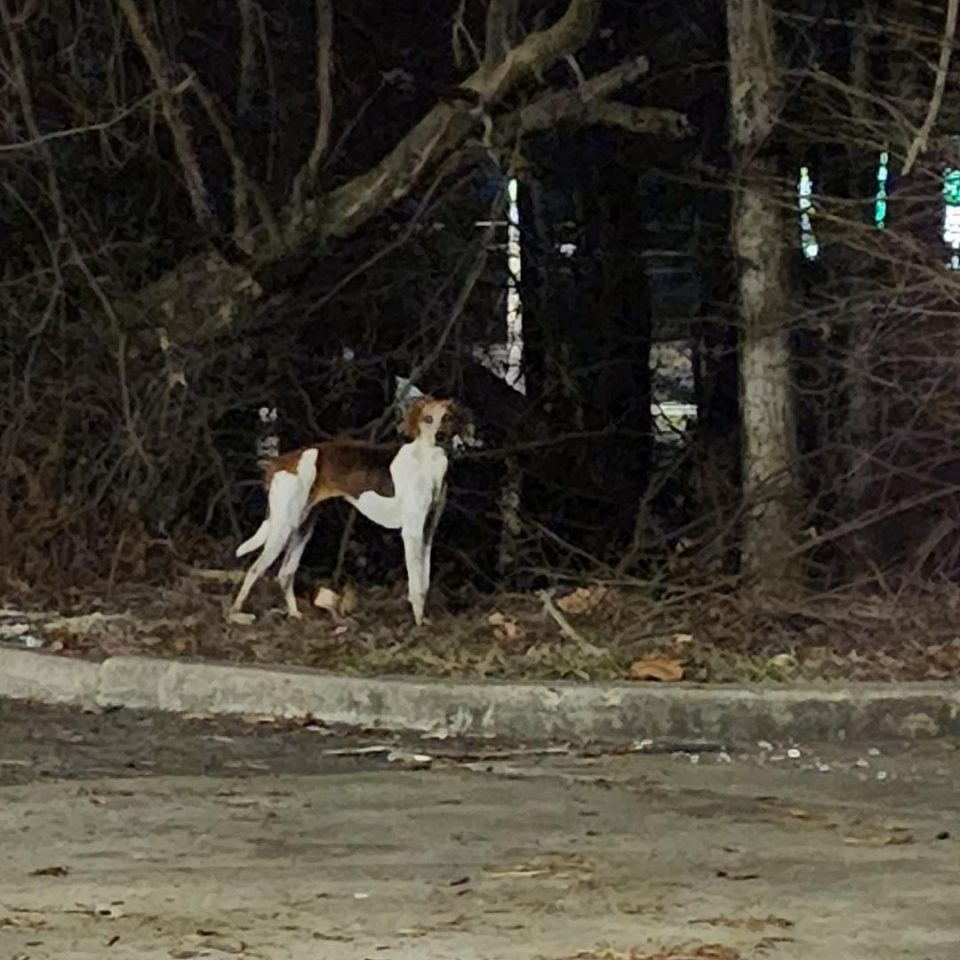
[[459, 35], [306, 179], [247, 56], [171, 113], [244, 186], [538, 52], [29, 116], [172, 303], [42, 138], [501, 28], [943, 66], [646, 120], [586, 104], [446, 126]]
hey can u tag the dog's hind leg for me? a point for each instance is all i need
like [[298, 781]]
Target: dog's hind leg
[[288, 499], [291, 562]]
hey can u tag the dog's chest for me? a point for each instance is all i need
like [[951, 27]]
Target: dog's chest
[[418, 475]]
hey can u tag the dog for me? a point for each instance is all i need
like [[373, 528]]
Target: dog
[[400, 489]]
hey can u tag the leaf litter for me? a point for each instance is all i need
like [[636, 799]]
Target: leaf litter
[[594, 632]]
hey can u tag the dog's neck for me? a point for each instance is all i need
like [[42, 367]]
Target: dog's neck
[[425, 441]]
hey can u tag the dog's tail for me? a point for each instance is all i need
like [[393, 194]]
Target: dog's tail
[[256, 541]]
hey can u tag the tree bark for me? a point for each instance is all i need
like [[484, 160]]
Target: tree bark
[[769, 557]]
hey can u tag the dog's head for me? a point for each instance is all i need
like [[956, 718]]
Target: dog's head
[[444, 422]]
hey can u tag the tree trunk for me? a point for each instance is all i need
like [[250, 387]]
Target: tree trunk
[[769, 556], [858, 428]]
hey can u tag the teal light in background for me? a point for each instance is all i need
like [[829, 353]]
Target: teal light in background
[[808, 240], [880, 205], [951, 215]]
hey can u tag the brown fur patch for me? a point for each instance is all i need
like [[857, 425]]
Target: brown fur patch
[[343, 467], [411, 419], [355, 468]]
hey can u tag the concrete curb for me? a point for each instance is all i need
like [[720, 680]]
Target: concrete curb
[[528, 711]]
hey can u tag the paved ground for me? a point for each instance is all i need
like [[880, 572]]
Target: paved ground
[[137, 836]]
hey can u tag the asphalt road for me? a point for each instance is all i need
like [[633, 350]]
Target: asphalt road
[[136, 836]]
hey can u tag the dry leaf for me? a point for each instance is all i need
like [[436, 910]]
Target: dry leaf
[[882, 838], [327, 599], [241, 617], [258, 718], [798, 813], [664, 669], [504, 627], [339, 604], [582, 600]]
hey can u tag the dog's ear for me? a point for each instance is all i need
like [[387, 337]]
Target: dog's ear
[[404, 391], [410, 426]]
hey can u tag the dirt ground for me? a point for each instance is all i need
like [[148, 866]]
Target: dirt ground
[[141, 836], [594, 632]]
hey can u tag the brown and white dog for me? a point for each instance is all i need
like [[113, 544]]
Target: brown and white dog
[[401, 490]]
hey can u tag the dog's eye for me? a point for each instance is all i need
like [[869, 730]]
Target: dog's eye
[[428, 419]]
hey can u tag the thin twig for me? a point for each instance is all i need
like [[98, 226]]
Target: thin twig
[[566, 628], [943, 66], [178, 129], [100, 127], [305, 181], [243, 182]]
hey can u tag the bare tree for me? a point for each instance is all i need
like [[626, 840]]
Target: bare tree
[[206, 296], [759, 235]]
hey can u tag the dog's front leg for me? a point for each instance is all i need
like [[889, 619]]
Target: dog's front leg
[[433, 521], [413, 550]]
